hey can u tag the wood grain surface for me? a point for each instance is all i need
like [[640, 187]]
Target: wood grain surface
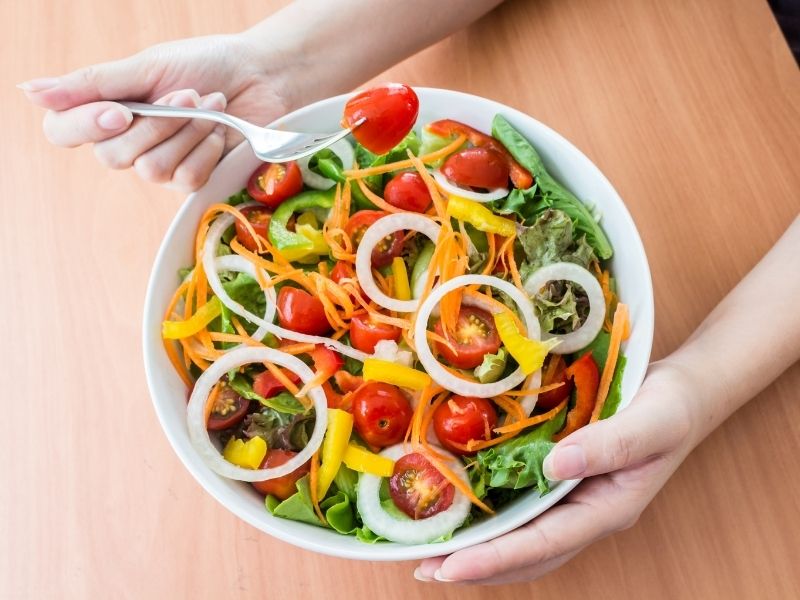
[[692, 109]]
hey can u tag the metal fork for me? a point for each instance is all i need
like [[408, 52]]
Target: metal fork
[[268, 144]]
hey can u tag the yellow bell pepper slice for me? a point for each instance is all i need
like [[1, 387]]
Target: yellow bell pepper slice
[[174, 330], [479, 216], [248, 455], [364, 461], [528, 353], [337, 436], [376, 369], [316, 243], [402, 289]]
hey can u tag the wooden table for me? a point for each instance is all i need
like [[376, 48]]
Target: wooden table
[[692, 109]]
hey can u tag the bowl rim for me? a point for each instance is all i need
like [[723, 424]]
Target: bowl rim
[[389, 550]]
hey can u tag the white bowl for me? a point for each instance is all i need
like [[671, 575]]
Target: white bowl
[[169, 394]]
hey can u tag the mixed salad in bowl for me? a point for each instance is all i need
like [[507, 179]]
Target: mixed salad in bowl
[[387, 338]]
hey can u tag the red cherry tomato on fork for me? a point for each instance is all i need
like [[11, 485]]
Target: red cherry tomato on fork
[[381, 413], [475, 336], [385, 250], [364, 333], [460, 419], [418, 488], [390, 111], [409, 192], [272, 183], [259, 219], [476, 167], [280, 487], [301, 312]]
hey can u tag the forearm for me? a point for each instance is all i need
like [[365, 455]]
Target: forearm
[[332, 47], [749, 339]]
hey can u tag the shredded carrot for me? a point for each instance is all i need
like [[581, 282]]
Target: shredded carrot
[[375, 199], [322, 268], [488, 267], [511, 406], [231, 338], [405, 164], [433, 189], [212, 399], [298, 348], [169, 346], [532, 392], [512, 265], [425, 423], [283, 379], [313, 482], [518, 426], [458, 483], [317, 380], [339, 334], [617, 333]]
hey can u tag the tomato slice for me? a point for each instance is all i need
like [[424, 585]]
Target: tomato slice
[[475, 336], [259, 219], [418, 488], [554, 371], [280, 487], [476, 167], [385, 250], [364, 333], [267, 385], [462, 419], [301, 312], [408, 192], [390, 111], [228, 410], [272, 183], [381, 413]]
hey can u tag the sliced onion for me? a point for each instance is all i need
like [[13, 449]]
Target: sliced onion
[[342, 149], [197, 409], [446, 379], [566, 271], [406, 530], [213, 238], [372, 236], [389, 350], [444, 183], [239, 264]]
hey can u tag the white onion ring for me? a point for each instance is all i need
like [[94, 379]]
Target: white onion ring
[[566, 271], [372, 236], [468, 388], [444, 183], [408, 531], [342, 149], [213, 238], [239, 264], [197, 404]]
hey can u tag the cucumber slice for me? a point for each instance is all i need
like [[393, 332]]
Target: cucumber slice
[[419, 272]]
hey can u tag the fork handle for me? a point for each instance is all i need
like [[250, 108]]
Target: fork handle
[[157, 110]]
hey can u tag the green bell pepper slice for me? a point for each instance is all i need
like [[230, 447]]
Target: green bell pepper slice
[[294, 243]]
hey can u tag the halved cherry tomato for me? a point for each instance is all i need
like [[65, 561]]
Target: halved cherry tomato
[[555, 371], [301, 312], [409, 192], [228, 410], [476, 167], [418, 488], [475, 336], [272, 183], [385, 250], [280, 487], [259, 219], [326, 360], [364, 333], [381, 413], [461, 419], [390, 111], [267, 385]]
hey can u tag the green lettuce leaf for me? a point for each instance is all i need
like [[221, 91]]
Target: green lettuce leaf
[[492, 367], [339, 513], [519, 202], [283, 402], [246, 291], [296, 507], [615, 390], [547, 240]]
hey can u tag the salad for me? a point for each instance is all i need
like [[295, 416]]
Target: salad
[[386, 338]]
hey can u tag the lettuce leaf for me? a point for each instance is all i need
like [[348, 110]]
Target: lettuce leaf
[[246, 291], [283, 402], [296, 507]]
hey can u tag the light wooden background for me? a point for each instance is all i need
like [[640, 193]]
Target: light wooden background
[[691, 108]]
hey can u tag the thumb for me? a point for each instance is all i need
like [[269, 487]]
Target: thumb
[[118, 80], [652, 425]]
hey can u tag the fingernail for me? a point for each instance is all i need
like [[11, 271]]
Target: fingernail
[[185, 98], [437, 575], [216, 101], [113, 119], [38, 85], [564, 463], [419, 576]]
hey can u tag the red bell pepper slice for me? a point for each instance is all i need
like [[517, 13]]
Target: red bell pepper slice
[[267, 385], [585, 374]]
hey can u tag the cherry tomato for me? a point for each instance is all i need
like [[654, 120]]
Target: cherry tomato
[[476, 167], [344, 270], [461, 419], [228, 410], [381, 413], [408, 191], [390, 112], [267, 385], [385, 250], [555, 371], [301, 312], [259, 219], [475, 335], [418, 488], [272, 183], [364, 333], [280, 487]]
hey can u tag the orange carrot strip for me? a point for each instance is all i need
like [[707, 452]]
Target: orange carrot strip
[[212, 399], [405, 164], [540, 390], [512, 407], [617, 333], [375, 199], [518, 426], [313, 481], [458, 483]]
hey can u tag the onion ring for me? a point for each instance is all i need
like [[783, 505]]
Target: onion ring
[[566, 271], [444, 183], [342, 149], [449, 381], [197, 408], [239, 264], [372, 236]]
